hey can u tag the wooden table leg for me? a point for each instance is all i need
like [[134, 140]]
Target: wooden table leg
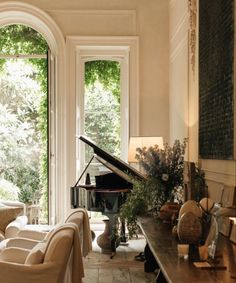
[[150, 264], [160, 277]]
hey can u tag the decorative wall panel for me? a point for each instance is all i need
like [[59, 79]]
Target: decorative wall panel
[[216, 79]]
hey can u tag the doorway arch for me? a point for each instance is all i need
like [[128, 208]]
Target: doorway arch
[[21, 13]]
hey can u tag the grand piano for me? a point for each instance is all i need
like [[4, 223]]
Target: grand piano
[[109, 190]]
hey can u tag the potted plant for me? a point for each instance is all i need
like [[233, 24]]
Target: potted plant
[[164, 182]]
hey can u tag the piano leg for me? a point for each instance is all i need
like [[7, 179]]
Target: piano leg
[[74, 196], [122, 232], [113, 228], [113, 248]]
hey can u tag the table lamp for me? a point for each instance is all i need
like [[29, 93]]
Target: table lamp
[[140, 142]]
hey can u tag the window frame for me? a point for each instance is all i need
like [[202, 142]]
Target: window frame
[[77, 45]]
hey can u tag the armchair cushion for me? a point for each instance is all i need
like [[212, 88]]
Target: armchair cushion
[[36, 255], [21, 243], [16, 255], [31, 234], [15, 226], [8, 214]]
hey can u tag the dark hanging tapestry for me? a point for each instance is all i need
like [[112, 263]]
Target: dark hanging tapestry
[[216, 79]]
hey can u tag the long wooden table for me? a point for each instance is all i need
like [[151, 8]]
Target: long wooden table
[[173, 269]]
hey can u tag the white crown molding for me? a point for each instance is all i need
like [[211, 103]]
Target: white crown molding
[[102, 40]]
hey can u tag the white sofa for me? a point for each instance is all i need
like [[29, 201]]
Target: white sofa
[[14, 203], [47, 261], [12, 218], [28, 239]]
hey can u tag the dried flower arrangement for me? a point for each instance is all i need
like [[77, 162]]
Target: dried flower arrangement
[[164, 182]]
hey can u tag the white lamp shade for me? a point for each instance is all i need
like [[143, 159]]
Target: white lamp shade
[[140, 142]]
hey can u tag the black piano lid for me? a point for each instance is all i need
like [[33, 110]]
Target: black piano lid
[[112, 162]]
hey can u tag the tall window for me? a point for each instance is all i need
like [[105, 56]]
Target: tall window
[[102, 111], [121, 52], [103, 102], [23, 118]]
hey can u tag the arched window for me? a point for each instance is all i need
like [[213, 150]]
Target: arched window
[[33, 17], [24, 118]]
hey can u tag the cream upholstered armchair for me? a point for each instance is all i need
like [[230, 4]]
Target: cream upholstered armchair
[[46, 261], [78, 216]]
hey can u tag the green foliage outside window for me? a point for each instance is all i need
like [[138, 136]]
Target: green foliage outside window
[[23, 111], [102, 105], [106, 72], [23, 103]]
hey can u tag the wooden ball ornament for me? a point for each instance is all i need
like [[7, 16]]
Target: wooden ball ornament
[[189, 228], [190, 206]]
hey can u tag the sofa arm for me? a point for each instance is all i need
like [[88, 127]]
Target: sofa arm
[[15, 226], [14, 203]]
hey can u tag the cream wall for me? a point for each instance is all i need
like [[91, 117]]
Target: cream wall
[[178, 86], [168, 86], [146, 19], [183, 87], [184, 99]]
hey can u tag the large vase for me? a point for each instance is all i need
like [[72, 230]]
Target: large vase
[[104, 240]]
